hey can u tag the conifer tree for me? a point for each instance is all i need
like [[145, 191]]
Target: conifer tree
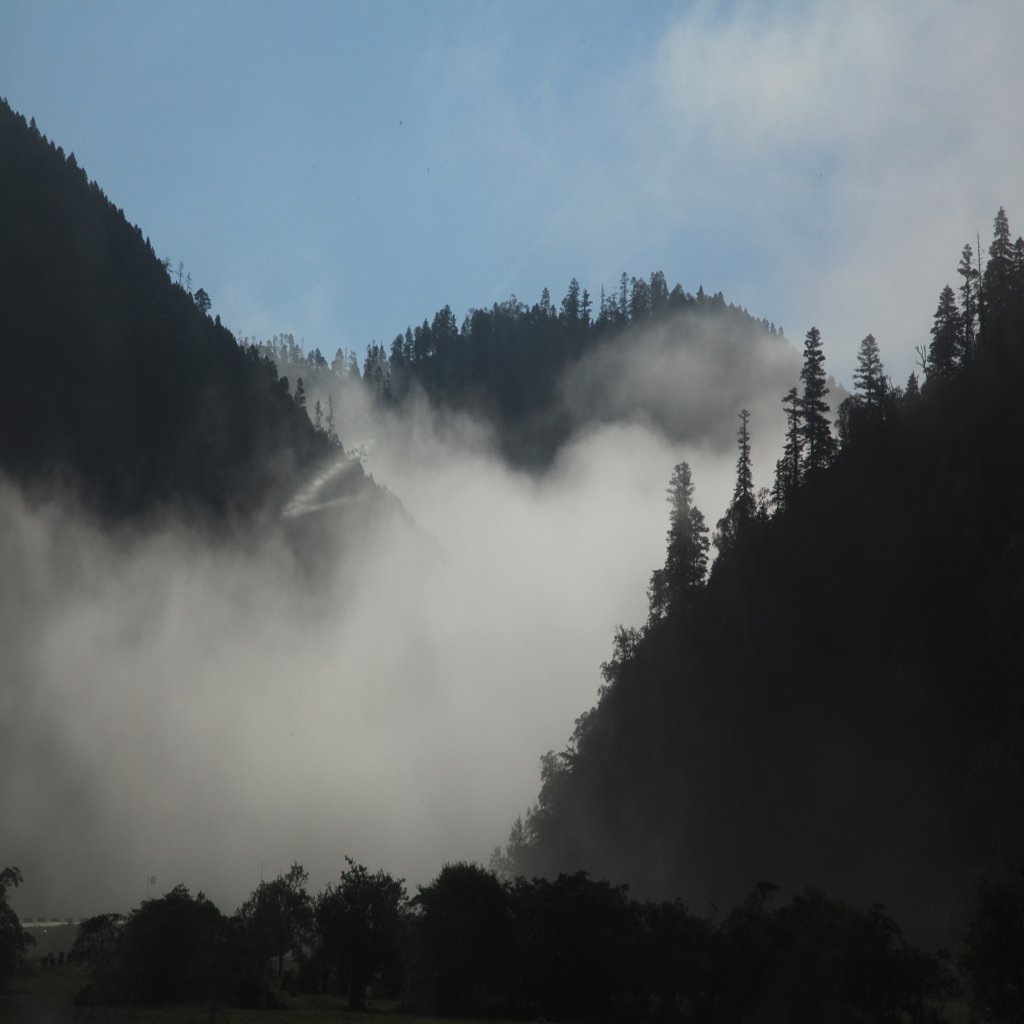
[[869, 377], [397, 358], [571, 303], [743, 505], [998, 282], [968, 306], [787, 469], [658, 291], [945, 336], [686, 563], [329, 420], [817, 432]]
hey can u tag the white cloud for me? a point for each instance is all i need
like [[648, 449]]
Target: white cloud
[[853, 148]]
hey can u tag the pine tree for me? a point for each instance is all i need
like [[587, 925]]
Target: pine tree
[[300, 394], [968, 306], [817, 432], [945, 336], [686, 563], [998, 283], [743, 505], [869, 377], [787, 469], [398, 352], [658, 291], [329, 420], [352, 367], [571, 303], [639, 300]]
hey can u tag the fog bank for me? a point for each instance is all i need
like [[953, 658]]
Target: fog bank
[[204, 711]]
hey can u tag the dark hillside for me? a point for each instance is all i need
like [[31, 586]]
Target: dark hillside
[[538, 375], [841, 703], [117, 379]]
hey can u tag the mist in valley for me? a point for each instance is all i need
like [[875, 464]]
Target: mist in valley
[[206, 709]]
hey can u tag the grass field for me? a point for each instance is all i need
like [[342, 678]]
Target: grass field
[[48, 998]]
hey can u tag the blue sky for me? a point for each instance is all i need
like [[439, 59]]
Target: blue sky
[[339, 171]]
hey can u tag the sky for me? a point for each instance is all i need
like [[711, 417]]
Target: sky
[[206, 713], [340, 171]]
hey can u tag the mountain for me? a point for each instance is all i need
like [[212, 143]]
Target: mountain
[[840, 703], [118, 382], [538, 375]]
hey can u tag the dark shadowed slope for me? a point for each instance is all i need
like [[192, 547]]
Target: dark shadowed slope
[[117, 380], [841, 702], [539, 375]]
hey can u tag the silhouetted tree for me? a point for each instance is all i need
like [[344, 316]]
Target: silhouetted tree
[[571, 303], [817, 433], [14, 940], [869, 376], [687, 558], [743, 506], [359, 920], [465, 934], [788, 468], [173, 950], [276, 918], [968, 306], [329, 421], [945, 338], [997, 286], [202, 300]]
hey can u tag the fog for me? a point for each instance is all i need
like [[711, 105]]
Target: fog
[[208, 710]]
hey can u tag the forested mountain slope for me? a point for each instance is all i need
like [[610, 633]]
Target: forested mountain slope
[[840, 703], [118, 381], [537, 375]]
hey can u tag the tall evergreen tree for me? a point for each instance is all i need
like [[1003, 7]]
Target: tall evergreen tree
[[329, 420], [817, 432], [571, 303], [658, 291], [639, 300], [397, 358], [869, 377], [968, 305], [743, 505], [787, 469], [686, 563], [585, 306], [945, 337], [998, 281]]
